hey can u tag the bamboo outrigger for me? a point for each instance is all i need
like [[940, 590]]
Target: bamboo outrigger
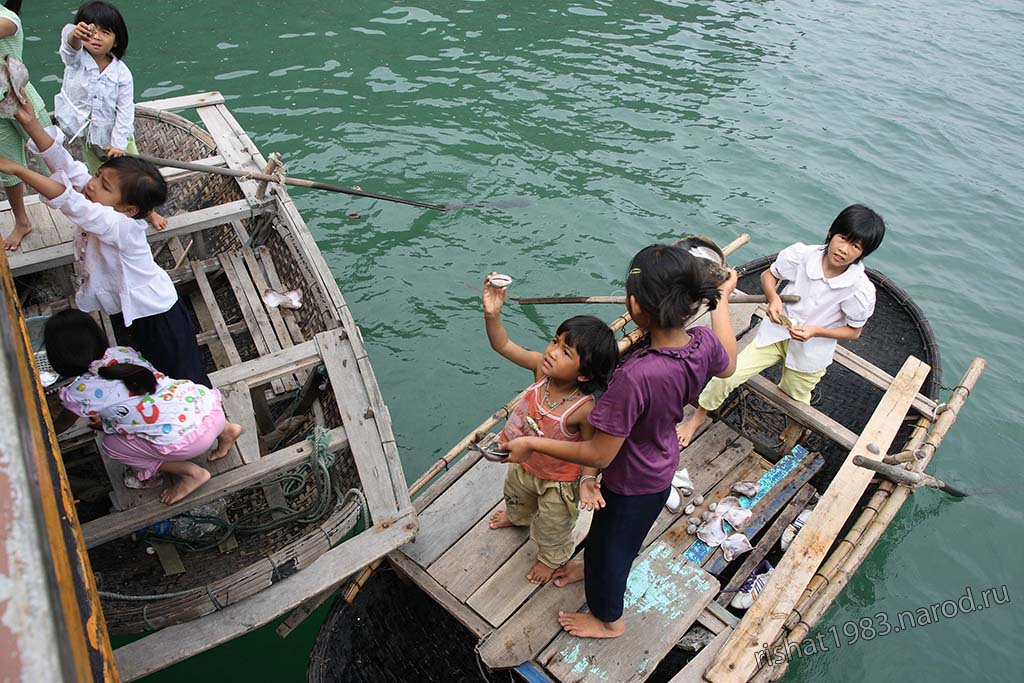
[[291, 515], [879, 397]]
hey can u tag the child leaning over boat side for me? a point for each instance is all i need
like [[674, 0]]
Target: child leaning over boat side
[[836, 300], [97, 95], [634, 424], [120, 273], [541, 492], [153, 423]]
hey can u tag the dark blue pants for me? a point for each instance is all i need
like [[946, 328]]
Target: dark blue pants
[[615, 537], [168, 341]]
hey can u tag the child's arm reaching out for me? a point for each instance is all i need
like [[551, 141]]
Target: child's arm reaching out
[[49, 146], [721, 324], [597, 452], [590, 487], [494, 299]]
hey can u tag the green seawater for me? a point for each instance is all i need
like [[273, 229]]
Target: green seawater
[[621, 124]]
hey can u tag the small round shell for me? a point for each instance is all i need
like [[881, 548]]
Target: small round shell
[[688, 510], [712, 507], [499, 281], [691, 529], [699, 500], [694, 521]]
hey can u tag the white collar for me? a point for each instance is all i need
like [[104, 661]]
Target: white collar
[[844, 279]]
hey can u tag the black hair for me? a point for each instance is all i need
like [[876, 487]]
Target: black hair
[[14, 6], [858, 223], [595, 344], [142, 185], [669, 284], [105, 15], [73, 340]]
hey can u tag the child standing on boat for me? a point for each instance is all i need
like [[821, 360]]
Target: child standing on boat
[[96, 98], [153, 423], [541, 492], [634, 424], [120, 273], [12, 136], [836, 300]]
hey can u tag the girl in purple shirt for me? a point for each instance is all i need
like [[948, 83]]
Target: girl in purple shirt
[[635, 439]]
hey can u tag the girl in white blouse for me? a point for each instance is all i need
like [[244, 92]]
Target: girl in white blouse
[[96, 99], [120, 273], [836, 300]]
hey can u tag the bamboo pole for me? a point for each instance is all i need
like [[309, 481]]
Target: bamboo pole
[[734, 299], [728, 249], [296, 182], [900, 475], [811, 608]]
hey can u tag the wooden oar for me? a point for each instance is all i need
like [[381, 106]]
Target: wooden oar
[[734, 299], [297, 182]]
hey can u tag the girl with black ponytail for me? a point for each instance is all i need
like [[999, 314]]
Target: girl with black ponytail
[[153, 423], [634, 423]]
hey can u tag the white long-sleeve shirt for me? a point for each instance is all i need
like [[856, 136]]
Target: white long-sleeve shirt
[[846, 299], [120, 273], [103, 99]]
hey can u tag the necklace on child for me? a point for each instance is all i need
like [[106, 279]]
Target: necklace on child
[[547, 398]]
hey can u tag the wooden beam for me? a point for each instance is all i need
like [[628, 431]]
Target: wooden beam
[[880, 378], [265, 368], [736, 662], [466, 616], [119, 524], [809, 417], [180, 224], [175, 643], [203, 99]]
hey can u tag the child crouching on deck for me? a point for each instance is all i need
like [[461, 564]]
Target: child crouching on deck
[[541, 492], [836, 300], [121, 275], [153, 423]]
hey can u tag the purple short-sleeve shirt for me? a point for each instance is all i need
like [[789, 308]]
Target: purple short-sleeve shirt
[[643, 404]]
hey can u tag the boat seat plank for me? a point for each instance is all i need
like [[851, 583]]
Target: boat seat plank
[[205, 99], [259, 280], [360, 423], [477, 555], [766, 542], [237, 403], [764, 619], [501, 594], [22, 263], [43, 224], [257, 371], [529, 630], [808, 416], [664, 596], [880, 378], [176, 175], [445, 520], [118, 524], [169, 558]]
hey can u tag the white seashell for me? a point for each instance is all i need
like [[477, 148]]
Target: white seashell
[[712, 532], [688, 510], [699, 500], [290, 299], [705, 515], [746, 488], [713, 506], [499, 281], [694, 520], [674, 502], [735, 545], [691, 529]]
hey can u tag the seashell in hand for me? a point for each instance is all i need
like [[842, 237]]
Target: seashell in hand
[[499, 281], [290, 299]]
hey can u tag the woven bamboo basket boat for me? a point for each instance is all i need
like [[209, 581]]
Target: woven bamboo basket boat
[[314, 488], [468, 581]]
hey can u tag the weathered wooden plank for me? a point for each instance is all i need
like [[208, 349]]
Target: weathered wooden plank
[[265, 368], [231, 147], [879, 378], [360, 423], [664, 596], [477, 555], [502, 593], [693, 672], [455, 511], [118, 524], [766, 543], [169, 558], [176, 175], [178, 225], [175, 643], [450, 476], [237, 404], [275, 281], [32, 242], [812, 418], [219, 324], [205, 99], [466, 616], [44, 230], [259, 281], [764, 619]]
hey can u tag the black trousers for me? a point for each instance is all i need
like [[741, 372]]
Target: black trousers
[[168, 341], [616, 534]]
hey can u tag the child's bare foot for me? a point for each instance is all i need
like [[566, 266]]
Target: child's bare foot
[[539, 573], [20, 231], [225, 441], [156, 220], [500, 520], [570, 572], [586, 625], [685, 431], [185, 483]]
